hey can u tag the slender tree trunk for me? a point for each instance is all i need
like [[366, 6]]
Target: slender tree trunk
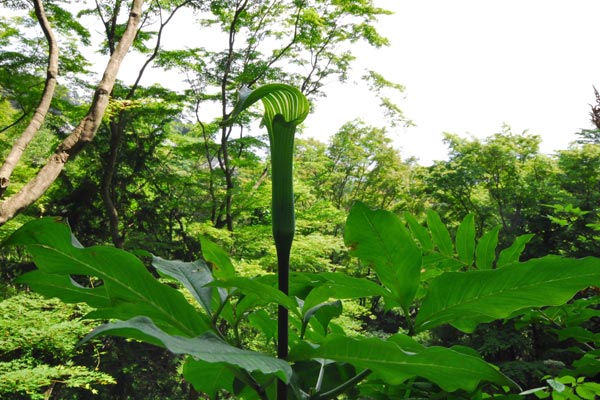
[[106, 192], [118, 124], [39, 116], [224, 161], [83, 133]]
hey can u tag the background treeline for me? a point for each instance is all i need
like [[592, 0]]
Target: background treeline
[[161, 172]]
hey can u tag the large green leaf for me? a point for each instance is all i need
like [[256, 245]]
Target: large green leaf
[[397, 360], [485, 254], [208, 347], [419, 232], [208, 378], [219, 261], [66, 288], [465, 299], [193, 275], [512, 253], [465, 240], [127, 289], [323, 314], [439, 233], [260, 291], [379, 239], [578, 333], [336, 285], [265, 323]]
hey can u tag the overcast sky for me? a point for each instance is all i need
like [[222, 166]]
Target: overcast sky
[[471, 65]]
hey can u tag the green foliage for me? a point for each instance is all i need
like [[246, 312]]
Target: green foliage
[[577, 218], [118, 295], [566, 387], [463, 299], [38, 338], [208, 347], [363, 165], [400, 358], [380, 240]]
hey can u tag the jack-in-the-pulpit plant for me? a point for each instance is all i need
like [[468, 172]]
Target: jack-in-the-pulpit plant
[[285, 107]]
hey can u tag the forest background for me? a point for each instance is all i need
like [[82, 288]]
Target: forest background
[[153, 168]]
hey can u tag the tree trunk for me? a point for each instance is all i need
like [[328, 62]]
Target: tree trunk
[[82, 134], [39, 116], [106, 192]]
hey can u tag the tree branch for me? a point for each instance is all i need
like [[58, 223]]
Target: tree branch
[[82, 134], [42, 109]]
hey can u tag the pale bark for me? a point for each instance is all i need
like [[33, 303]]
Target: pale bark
[[37, 120], [83, 133]]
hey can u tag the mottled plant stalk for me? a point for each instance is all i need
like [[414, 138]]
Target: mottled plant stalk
[[283, 224], [285, 108]]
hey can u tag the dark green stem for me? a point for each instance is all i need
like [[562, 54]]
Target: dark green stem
[[283, 223]]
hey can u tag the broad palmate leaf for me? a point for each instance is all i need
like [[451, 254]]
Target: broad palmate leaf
[[207, 347], [401, 358], [123, 286], [380, 240], [465, 299]]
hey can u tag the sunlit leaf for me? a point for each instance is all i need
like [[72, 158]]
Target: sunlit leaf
[[193, 275], [336, 285], [208, 347], [419, 232], [439, 233], [485, 254], [266, 294], [512, 253], [465, 240], [127, 285], [578, 333], [465, 299], [380, 240], [395, 361], [323, 313], [219, 261]]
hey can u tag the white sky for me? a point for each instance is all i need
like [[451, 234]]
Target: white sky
[[470, 65]]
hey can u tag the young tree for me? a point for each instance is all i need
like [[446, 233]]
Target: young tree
[[365, 166]]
